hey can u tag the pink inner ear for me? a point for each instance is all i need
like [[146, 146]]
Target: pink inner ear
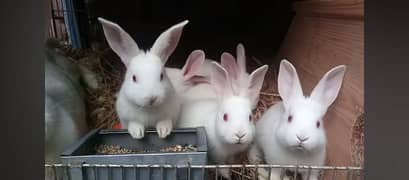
[[166, 43], [190, 69], [185, 72], [195, 60], [220, 81], [199, 80], [241, 58], [229, 63], [256, 81]]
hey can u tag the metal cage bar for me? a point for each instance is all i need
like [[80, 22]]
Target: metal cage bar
[[164, 172], [66, 22]]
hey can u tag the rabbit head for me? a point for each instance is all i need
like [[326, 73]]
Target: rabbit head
[[301, 126], [146, 83], [243, 82], [234, 123]]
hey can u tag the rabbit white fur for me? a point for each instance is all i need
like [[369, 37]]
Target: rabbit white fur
[[292, 131], [65, 112], [227, 118], [147, 97]]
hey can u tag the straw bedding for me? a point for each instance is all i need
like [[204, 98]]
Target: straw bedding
[[358, 141]]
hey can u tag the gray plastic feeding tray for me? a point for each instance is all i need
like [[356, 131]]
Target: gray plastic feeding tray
[[84, 151]]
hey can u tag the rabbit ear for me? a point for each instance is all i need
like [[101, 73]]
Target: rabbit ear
[[229, 63], [256, 81], [197, 79], [193, 64], [120, 41], [166, 43], [241, 58], [219, 80], [328, 87], [289, 86]]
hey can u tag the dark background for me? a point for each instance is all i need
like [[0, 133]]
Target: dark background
[[215, 26]]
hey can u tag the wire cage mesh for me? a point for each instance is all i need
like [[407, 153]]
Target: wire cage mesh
[[195, 172], [57, 28], [69, 22]]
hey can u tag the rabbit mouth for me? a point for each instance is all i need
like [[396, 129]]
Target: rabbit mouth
[[152, 104], [149, 106], [236, 142], [299, 147], [241, 142]]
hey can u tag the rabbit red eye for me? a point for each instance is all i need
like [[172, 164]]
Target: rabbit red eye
[[161, 76], [290, 118], [134, 78], [225, 117], [318, 124]]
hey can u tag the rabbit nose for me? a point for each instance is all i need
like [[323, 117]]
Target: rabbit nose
[[240, 135], [302, 139], [152, 100]]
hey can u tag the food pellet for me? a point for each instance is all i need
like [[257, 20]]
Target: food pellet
[[116, 149]]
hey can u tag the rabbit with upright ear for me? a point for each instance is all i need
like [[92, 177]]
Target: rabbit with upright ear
[[240, 78], [292, 131], [227, 118], [147, 97]]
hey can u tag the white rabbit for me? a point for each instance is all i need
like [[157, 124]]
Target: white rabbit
[[227, 118], [292, 131], [239, 75], [65, 112], [147, 97]]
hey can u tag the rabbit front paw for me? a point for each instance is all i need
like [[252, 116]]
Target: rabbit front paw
[[164, 128], [136, 130]]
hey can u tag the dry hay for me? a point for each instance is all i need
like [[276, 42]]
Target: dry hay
[[358, 141], [105, 149]]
